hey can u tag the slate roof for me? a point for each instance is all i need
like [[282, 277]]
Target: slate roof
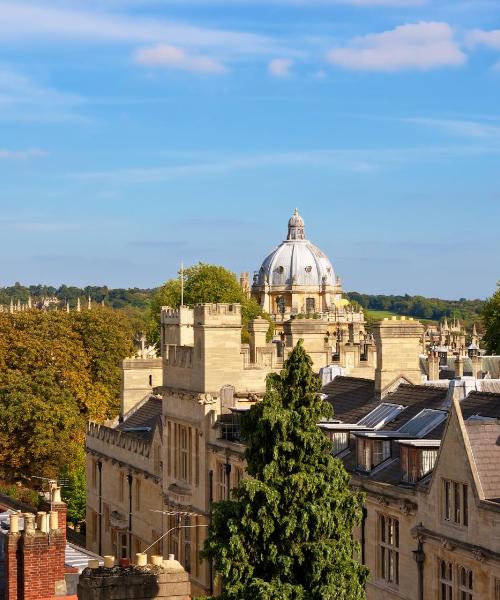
[[144, 416], [352, 398], [484, 439], [485, 404]]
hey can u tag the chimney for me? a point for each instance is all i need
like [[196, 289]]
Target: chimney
[[459, 366], [157, 580], [34, 557], [398, 352], [476, 366], [257, 329], [433, 366]]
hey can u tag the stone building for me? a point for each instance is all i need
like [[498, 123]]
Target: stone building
[[156, 472], [297, 280]]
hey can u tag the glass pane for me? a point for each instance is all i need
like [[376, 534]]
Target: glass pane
[[465, 505]]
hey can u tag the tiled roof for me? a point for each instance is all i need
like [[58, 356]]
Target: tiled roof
[[351, 397], [485, 404], [484, 439], [145, 418], [415, 398]]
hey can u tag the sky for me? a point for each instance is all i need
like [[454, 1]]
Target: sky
[[136, 134]]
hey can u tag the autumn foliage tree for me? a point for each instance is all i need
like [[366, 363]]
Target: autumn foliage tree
[[57, 370], [287, 534]]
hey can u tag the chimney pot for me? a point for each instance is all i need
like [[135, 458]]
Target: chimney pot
[[53, 520], [109, 561], [56, 494], [141, 559], [14, 523], [93, 563]]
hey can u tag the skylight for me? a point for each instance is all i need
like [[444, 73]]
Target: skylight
[[426, 420], [380, 416]]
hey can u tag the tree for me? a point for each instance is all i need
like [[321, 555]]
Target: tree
[[203, 283], [287, 532], [57, 370], [74, 493], [491, 320]]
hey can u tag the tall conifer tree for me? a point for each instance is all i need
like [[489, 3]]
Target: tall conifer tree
[[286, 535]]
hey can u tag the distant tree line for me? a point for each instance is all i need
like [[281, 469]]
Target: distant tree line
[[421, 307], [114, 297], [139, 300]]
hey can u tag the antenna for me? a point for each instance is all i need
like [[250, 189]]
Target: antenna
[[182, 283]]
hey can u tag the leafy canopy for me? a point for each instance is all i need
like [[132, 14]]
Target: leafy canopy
[[491, 320], [203, 283], [287, 532], [57, 370]]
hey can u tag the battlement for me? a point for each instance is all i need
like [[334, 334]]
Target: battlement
[[218, 315], [398, 327], [176, 316], [117, 438]]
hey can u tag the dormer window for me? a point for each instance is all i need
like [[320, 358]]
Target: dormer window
[[372, 452], [418, 458], [340, 442]]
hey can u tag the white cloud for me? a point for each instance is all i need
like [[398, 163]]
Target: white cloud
[[280, 67], [421, 46], [472, 129], [21, 20], [479, 37], [172, 57], [21, 154]]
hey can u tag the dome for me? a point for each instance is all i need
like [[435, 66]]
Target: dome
[[296, 261]]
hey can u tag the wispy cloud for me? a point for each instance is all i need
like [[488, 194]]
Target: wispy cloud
[[297, 3], [480, 37], [42, 22], [25, 99], [280, 67], [172, 57], [360, 161], [21, 154], [473, 129], [420, 46]]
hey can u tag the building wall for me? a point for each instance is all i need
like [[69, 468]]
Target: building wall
[[113, 488], [139, 377]]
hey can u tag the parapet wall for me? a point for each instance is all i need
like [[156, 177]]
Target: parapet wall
[[115, 437], [144, 583], [176, 316], [218, 315]]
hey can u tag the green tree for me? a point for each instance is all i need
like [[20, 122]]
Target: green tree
[[287, 532], [491, 320], [40, 425], [74, 492], [203, 283]]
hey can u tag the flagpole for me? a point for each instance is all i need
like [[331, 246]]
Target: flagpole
[[182, 283]]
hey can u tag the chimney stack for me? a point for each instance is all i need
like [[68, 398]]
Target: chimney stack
[[397, 341], [34, 557]]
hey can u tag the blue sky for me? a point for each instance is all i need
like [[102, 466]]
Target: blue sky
[[136, 133]]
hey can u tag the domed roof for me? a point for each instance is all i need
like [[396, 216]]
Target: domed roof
[[296, 261]]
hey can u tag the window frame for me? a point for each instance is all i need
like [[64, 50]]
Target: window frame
[[455, 502], [388, 543]]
